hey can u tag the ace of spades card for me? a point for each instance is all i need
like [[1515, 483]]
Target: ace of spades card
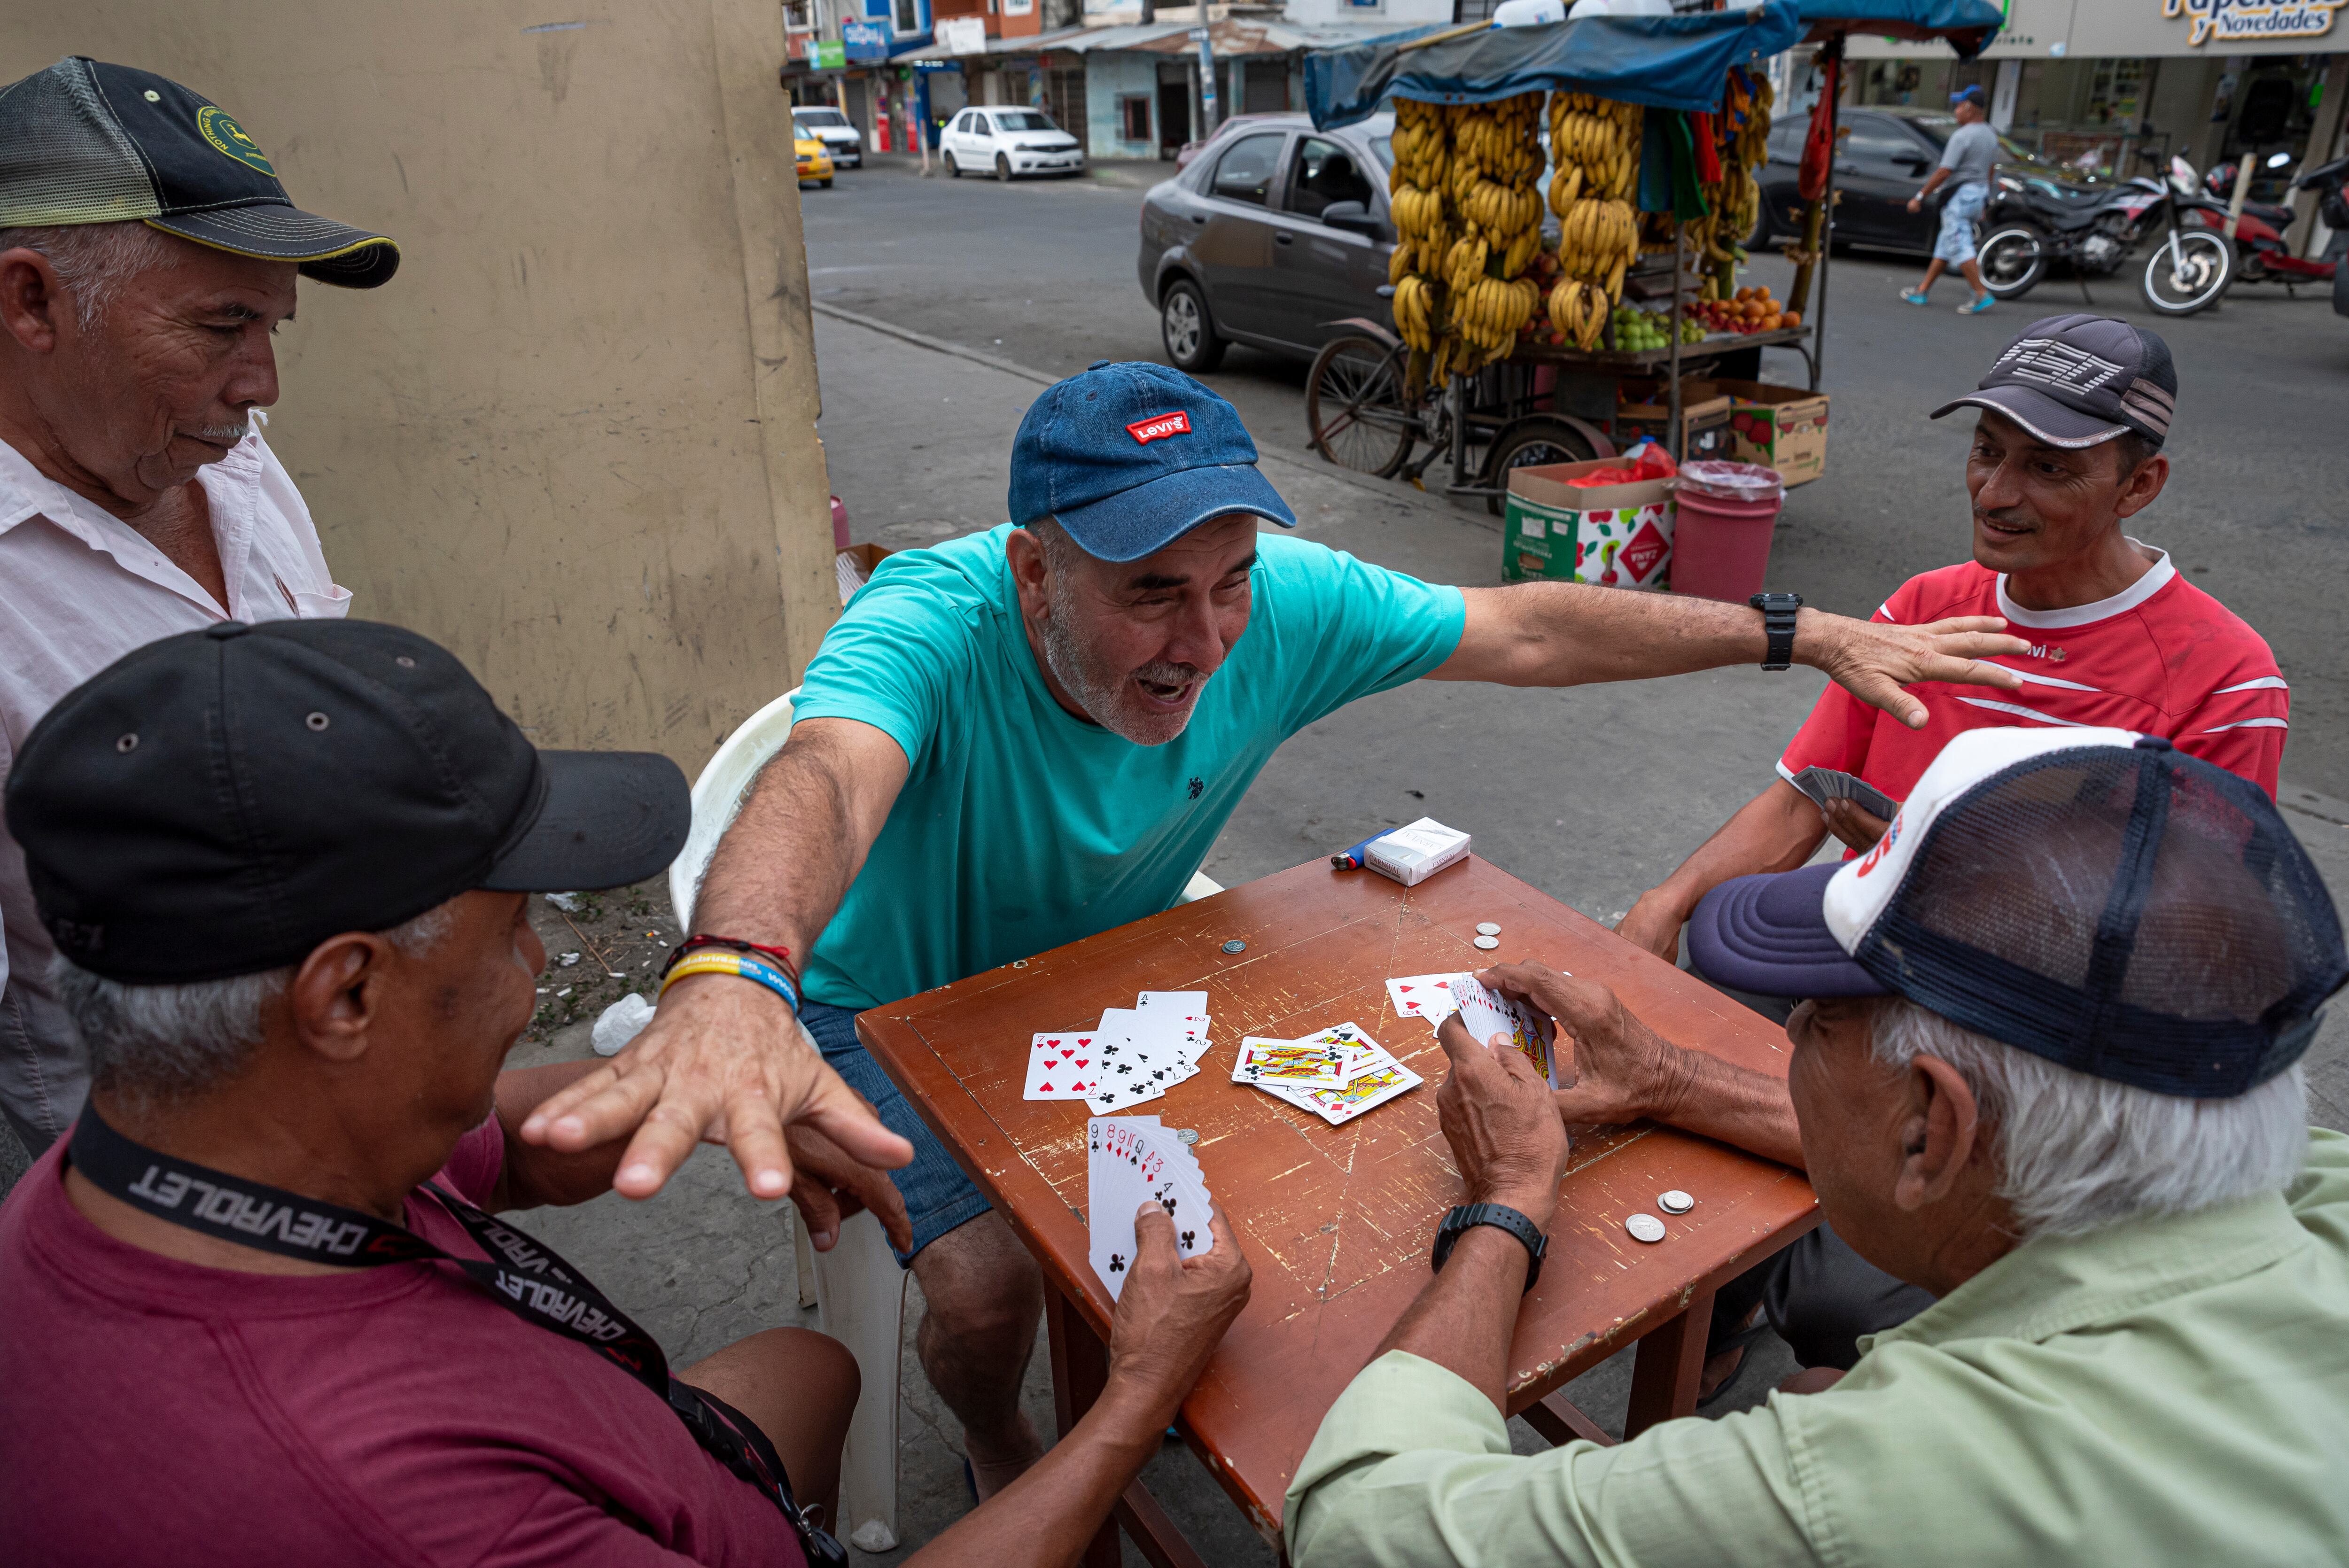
[[1063, 1064]]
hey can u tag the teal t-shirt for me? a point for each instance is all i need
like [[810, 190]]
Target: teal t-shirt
[[1021, 826]]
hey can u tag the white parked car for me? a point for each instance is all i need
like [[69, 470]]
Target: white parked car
[[1008, 141], [840, 138]]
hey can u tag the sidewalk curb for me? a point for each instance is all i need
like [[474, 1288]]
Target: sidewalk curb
[[1385, 490]]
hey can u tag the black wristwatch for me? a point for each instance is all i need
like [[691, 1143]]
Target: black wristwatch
[[1778, 611], [1468, 1216]]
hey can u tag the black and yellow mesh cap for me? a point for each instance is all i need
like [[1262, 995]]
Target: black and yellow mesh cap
[[87, 142]]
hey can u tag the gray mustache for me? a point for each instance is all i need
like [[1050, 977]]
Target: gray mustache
[[226, 435]]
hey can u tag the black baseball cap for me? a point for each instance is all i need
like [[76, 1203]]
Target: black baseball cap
[[2079, 380], [2092, 896], [1130, 457], [220, 802], [87, 142]]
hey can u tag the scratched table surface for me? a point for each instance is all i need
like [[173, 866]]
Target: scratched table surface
[[1337, 1220]]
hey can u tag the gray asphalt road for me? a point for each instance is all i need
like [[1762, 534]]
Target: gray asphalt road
[[1044, 273]]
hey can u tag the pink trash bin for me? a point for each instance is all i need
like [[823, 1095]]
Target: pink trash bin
[[1728, 514]]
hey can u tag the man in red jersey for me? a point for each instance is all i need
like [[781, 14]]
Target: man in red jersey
[[2067, 448]]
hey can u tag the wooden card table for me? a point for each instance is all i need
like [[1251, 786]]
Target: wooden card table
[[1337, 1220]]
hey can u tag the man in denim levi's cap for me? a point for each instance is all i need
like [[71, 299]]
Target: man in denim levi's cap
[[2047, 1071], [1021, 738]]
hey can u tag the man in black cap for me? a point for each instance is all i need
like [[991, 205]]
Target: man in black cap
[[147, 253], [286, 868], [2048, 1074]]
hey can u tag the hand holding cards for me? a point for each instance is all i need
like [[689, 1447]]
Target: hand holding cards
[[1128, 1161]]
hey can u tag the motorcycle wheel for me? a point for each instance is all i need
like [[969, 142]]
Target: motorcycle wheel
[[2206, 268], [2012, 260]]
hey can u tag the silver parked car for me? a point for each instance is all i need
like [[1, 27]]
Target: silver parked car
[[1272, 236]]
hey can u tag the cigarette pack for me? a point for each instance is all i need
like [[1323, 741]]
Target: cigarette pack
[[1412, 854]]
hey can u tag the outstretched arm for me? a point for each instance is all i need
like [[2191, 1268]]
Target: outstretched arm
[[724, 1059], [1571, 633]]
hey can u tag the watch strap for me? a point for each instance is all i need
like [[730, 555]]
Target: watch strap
[[1779, 612], [1466, 1217]]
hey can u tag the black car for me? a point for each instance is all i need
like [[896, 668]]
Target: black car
[[1889, 153], [1272, 234]]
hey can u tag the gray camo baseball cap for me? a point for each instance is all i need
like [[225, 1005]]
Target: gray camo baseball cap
[[2080, 380]]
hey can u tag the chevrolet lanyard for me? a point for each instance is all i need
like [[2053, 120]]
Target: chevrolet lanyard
[[531, 1282]]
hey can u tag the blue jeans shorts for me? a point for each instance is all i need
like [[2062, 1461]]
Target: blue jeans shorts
[[1956, 243], [938, 1196]]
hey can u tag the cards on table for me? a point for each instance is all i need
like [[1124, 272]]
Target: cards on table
[[1367, 1076], [1133, 1054], [1131, 1161]]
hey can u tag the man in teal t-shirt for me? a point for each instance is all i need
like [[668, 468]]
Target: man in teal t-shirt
[[1020, 739]]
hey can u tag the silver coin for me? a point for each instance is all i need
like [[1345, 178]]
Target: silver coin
[[1675, 1202], [1186, 1135], [1488, 943], [1645, 1228], [1489, 929]]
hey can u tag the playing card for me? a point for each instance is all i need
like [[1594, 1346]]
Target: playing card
[[1141, 1058], [1356, 1050], [1192, 1003], [1130, 1162], [1825, 784], [1064, 1065], [1487, 1013], [1363, 1092], [1298, 1063], [1427, 996]]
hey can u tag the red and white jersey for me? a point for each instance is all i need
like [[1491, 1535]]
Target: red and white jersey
[[2161, 657]]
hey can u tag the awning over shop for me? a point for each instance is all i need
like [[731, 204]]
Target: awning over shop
[[1968, 25], [1663, 62], [1231, 39]]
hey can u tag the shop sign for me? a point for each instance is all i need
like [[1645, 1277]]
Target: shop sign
[[864, 40], [963, 35], [829, 56], [2252, 21]]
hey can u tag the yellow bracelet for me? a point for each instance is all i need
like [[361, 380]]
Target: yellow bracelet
[[757, 970]]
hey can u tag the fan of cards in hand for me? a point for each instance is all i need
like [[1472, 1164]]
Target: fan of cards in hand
[[1483, 1010], [1133, 1054], [1337, 1074], [1133, 1161]]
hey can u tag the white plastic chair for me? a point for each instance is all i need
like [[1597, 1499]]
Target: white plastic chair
[[857, 1289]]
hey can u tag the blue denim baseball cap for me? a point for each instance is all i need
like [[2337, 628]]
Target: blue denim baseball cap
[[1129, 457]]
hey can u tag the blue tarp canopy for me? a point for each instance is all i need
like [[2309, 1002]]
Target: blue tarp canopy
[[1968, 25], [1663, 62]]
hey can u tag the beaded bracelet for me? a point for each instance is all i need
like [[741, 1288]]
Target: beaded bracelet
[[695, 943], [748, 966]]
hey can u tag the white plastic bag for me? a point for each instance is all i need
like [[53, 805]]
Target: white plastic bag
[[622, 1021]]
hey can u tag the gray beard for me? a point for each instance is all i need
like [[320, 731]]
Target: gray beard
[[1102, 692]]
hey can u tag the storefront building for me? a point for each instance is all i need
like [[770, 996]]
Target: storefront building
[[2117, 88]]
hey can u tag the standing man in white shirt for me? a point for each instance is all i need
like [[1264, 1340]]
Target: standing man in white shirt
[[147, 253]]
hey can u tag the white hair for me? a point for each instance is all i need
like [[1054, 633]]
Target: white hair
[[167, 1042], [2077, 1153], [95, 259]]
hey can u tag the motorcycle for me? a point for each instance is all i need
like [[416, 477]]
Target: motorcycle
[[2262, 255], [2032, 222], [2331, 183]]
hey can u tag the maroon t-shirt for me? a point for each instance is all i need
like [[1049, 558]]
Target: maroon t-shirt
[[153, 1411]]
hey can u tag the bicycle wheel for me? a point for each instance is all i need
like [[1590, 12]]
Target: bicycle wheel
[[1355, 406], [2193, 277], [1534, 441]]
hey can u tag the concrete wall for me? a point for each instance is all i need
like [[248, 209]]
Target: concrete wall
[[574, 438], [1109, 76]]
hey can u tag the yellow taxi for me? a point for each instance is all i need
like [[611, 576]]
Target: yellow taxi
[[815, 163]]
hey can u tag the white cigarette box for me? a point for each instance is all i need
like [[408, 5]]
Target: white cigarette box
[[1412, 854]]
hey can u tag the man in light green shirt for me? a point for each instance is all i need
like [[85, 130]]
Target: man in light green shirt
[[2049, 1074]]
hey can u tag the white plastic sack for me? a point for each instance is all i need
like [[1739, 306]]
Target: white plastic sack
[[622, 1021]]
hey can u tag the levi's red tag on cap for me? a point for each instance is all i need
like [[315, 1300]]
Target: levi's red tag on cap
[[1158, 427]]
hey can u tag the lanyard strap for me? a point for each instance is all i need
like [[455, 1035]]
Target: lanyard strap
[[528, 1280]]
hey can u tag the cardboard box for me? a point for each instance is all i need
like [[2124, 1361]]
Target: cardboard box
[[854, 565], [1704, 426], [1412, 854], [1781, 428], [1618, 536]]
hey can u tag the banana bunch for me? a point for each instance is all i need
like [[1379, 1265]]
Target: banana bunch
[[1422, 150], [1735, 200], [1598, 242], [1502, 211], [1414, 311], [1498, 138], [1595, 143], [1580, 310], [1488, 313]]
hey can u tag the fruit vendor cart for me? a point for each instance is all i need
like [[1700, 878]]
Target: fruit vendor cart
[[1512, 345]]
